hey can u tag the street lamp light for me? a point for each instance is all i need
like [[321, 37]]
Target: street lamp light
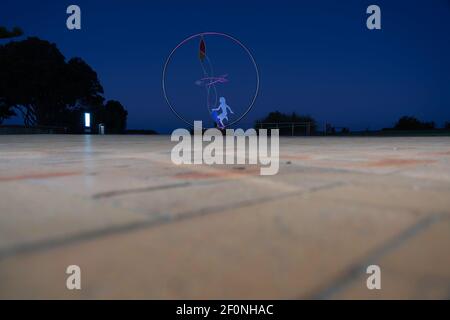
[[87, 120]]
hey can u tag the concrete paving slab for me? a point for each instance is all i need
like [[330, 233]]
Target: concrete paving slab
[[257, 251], [416, 269], [142, 227]]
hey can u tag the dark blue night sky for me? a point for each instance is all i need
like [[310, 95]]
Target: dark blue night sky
[[315, 57]]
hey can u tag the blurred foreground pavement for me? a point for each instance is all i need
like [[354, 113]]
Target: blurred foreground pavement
[[141, 227]]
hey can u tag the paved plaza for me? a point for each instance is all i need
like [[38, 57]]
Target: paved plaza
[[141, 227]]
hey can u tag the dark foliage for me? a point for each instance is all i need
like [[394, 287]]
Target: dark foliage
[[447, 125], [37, 83], [5, 33], [114, 116], [5, 111], [412, 123]]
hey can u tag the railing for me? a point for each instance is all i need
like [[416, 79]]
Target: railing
[[287, 128]]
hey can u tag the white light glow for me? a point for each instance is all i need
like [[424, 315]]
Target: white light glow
[[87, 120]]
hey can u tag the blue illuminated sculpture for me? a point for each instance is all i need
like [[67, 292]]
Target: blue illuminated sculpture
[[216, 86], [209, 81], [223, 107]]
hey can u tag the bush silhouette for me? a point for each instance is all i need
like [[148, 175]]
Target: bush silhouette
[[412, 123]]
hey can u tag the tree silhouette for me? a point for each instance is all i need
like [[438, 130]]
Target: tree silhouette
[[114, 117], [82, 84], [6, 34], [5, 111], [38, 83], [412, 123]]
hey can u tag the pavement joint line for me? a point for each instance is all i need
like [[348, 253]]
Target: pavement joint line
[[114, 193], [120, 192], [361, 171], [162, 219], [358, 269]]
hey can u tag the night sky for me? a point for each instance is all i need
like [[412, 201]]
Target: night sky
[[315, 57]]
